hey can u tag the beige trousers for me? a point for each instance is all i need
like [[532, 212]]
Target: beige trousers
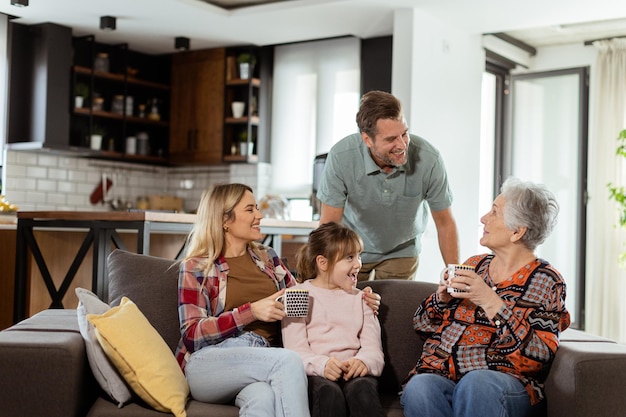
[[395, 268]]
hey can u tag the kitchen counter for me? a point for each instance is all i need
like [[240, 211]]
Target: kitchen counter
[[98, 233]]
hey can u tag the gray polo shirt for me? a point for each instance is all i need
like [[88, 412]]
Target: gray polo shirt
[[387, 210]]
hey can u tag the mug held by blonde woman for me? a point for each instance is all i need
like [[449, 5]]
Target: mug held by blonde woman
[[296, 302]]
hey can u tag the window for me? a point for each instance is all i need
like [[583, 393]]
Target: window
[[316, 96]]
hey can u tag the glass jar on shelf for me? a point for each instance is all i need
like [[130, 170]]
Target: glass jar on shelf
[[101, 63], [98, 104], [117, 106]]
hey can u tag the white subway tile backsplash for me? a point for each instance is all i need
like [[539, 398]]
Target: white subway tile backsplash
[[66, 187], [35, 197], [36, 172], [22, 184], [65, 162], [56, 198], [48, 160], [15, 170], [41, 181], [57, 174], [46, 185], [25, 158]]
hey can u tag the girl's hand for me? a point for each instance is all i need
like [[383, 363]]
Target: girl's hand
[[356, 368], [334, 369], [268, 309], [371, 299]]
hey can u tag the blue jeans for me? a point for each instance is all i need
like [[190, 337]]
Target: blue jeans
[[262, 381], [482, 393]]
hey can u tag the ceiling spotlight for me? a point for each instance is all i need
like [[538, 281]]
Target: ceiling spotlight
[[19, 3], [181, 43], [107, 23]]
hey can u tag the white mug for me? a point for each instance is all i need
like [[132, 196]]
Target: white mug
[[296, 301], [450, 270]]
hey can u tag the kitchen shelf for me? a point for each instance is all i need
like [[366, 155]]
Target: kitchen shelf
[[105, 114], [120, 78], [136, 79], [254, 120], [255, 82]]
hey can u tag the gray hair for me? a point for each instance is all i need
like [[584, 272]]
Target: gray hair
[[532, 206]]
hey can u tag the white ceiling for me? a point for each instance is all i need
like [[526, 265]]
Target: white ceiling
[[151, 25]]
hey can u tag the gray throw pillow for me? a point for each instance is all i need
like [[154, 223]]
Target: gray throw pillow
[[103, 370]]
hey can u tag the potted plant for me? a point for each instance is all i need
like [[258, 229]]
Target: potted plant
[[81, 91], [246, 62], [243, 142], [95, 140], [619, 193]]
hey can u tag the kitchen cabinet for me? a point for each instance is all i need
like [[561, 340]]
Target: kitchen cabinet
[[48, 67], [126, 95], [197, 107], [245, 135]]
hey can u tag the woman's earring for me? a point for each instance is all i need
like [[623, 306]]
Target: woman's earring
[[226, 228]]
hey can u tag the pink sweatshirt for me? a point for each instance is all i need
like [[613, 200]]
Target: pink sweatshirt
[[339, 324]]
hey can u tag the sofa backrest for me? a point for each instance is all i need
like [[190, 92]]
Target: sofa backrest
[[152, 284], [402, 346]]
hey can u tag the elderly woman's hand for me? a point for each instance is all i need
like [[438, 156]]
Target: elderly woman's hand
[[442, 293], [473, 288]]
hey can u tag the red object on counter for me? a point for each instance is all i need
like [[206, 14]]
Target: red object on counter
[[97, 195]]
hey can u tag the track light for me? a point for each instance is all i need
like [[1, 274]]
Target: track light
[[19, 3], [107, 23], [181, 43]]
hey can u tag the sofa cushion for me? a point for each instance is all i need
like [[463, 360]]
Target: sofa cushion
[[142, 357], [401, 344], [105, 408], [152, 284], [585, 379], [103, 370]]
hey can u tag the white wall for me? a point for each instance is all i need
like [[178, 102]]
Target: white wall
[[437, 74]]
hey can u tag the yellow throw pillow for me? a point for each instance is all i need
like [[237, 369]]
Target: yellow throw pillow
[[142, 357]]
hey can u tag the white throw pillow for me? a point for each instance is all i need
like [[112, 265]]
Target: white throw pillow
[[103, 370]]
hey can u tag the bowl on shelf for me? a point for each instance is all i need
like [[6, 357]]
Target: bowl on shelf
[[132, 71]]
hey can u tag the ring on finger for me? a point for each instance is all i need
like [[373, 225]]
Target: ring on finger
[[467, 288]]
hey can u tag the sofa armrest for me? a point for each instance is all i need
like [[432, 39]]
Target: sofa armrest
[[586, 380], [44, 367]]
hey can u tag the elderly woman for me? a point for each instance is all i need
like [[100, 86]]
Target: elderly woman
[[492, 332]]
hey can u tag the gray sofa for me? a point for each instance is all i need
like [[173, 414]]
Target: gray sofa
[[45, 372]]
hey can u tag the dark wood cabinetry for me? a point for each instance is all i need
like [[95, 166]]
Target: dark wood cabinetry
[[127, 95], [182, 102], [197, 109], [245, 134]]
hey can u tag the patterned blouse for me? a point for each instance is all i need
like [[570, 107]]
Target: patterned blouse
[[520, 340], [201, 300]]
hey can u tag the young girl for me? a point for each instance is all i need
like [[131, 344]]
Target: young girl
[[339, 341]]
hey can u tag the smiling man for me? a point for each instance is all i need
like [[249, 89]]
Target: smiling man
[[379, 182]]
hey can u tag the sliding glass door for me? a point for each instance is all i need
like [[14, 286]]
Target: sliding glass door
[[546, 142]]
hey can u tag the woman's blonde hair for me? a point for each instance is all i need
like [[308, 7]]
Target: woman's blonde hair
[[332, 241], [207, 238]]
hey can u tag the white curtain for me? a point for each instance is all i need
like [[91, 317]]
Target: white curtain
[[605, 300], [315, 100]]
